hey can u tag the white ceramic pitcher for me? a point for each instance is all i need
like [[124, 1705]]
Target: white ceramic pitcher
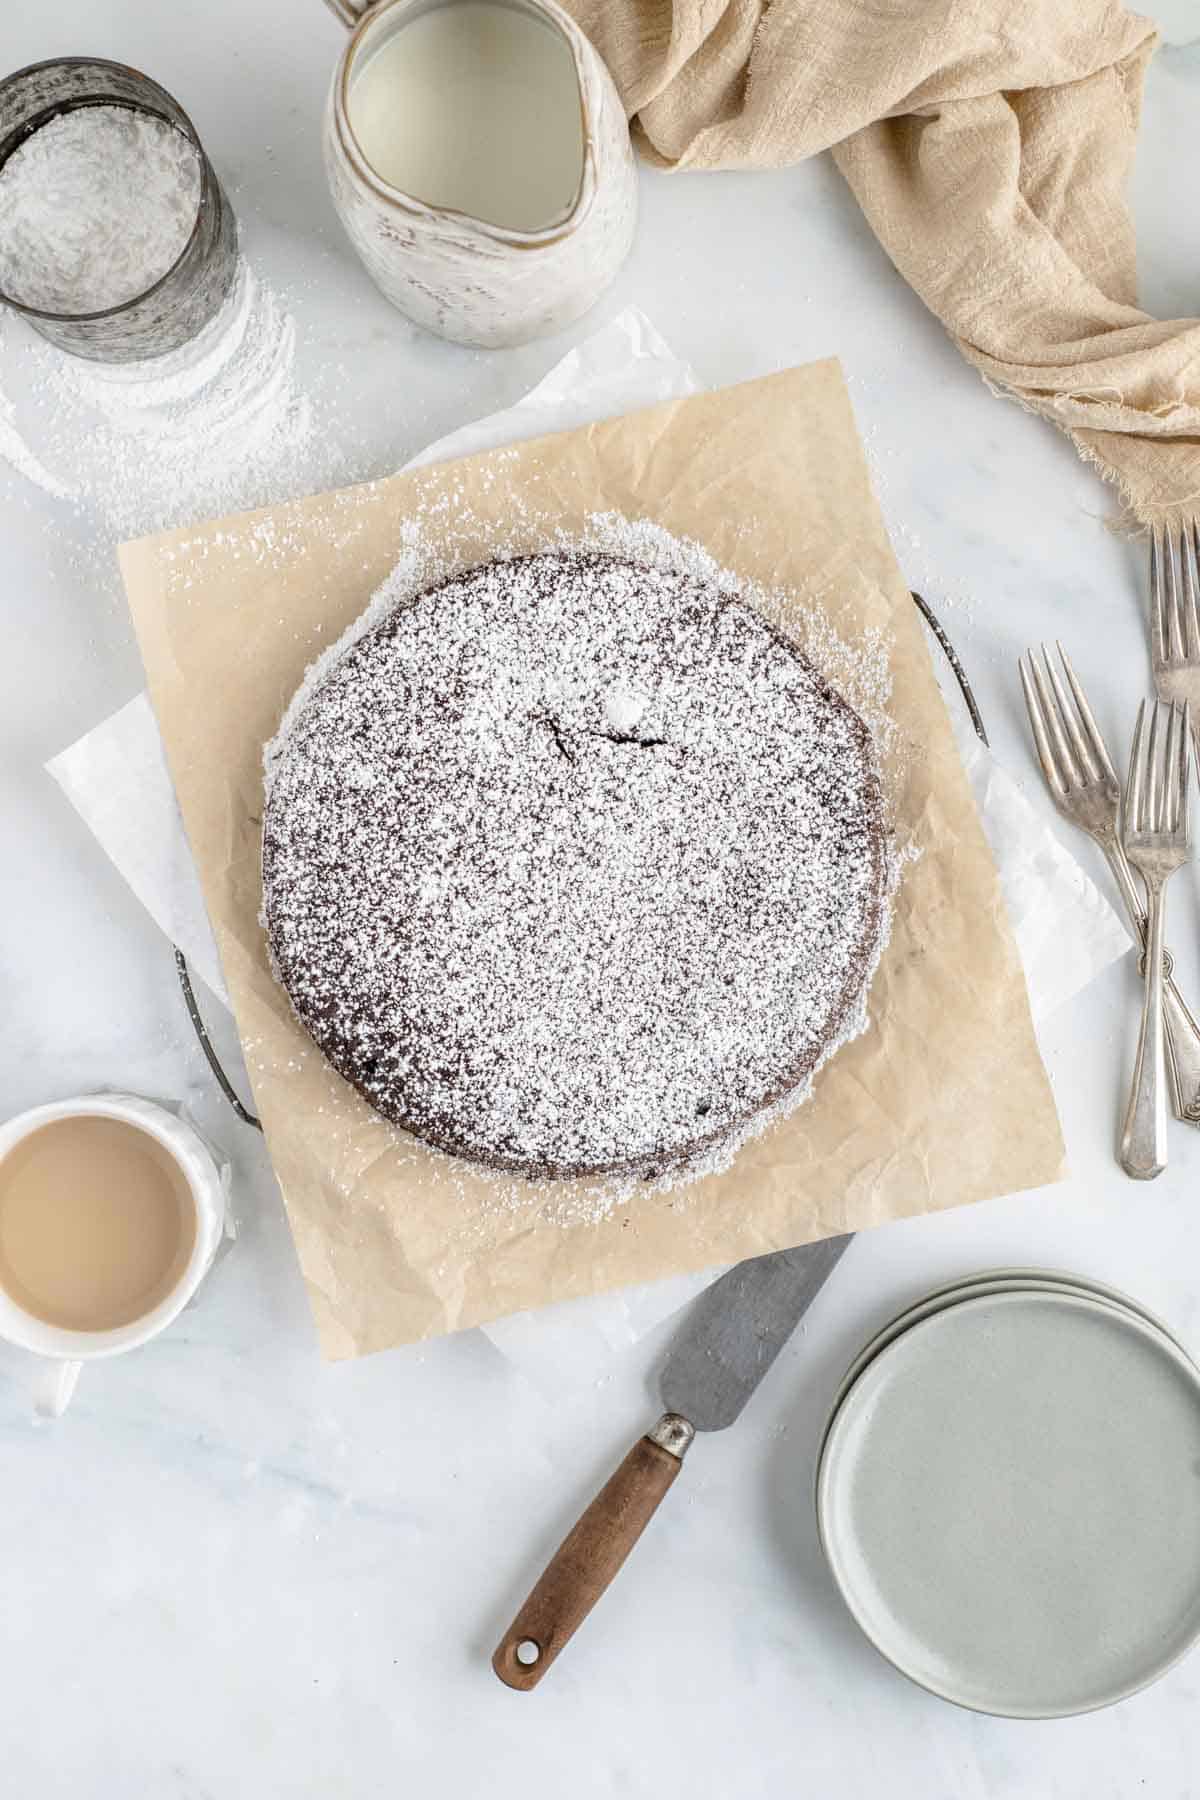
[[463, 278]]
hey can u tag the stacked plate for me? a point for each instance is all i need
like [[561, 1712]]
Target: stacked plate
[[1008, 1494]]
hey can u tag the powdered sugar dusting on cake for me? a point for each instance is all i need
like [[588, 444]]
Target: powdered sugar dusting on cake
[[431, 551], [861, 672], [575, 864]]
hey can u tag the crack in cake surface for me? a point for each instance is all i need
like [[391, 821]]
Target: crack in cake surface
[[530, 943]]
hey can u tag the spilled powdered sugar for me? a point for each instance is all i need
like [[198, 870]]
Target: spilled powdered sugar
[[668, 780], [95, 207], [23, 458], [220, 425]]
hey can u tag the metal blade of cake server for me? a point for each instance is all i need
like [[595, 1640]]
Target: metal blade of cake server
[[736, 1328]]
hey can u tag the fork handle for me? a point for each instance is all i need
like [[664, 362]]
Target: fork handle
[[1144, 1140], [1182, 1030]]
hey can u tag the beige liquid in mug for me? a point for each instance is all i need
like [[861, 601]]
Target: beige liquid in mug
[[97, 1223], [474, 107]]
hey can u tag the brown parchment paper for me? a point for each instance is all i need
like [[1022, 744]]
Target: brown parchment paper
[[943, 1100]]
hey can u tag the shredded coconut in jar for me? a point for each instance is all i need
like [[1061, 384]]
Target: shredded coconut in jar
[[95, 207]]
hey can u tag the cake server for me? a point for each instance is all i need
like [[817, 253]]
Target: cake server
[[731, 1336]]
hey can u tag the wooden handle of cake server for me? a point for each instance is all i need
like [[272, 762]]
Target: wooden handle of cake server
[[590, 1555]]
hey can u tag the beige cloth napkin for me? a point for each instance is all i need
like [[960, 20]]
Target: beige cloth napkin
[[988, 142]]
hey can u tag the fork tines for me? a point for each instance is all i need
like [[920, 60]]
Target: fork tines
[[1175, 593], [1156, 798], [1069, 745]]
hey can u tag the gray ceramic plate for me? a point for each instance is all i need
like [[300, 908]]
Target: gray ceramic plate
[[989, 1281], [1062, 1278], [1009, 1500]]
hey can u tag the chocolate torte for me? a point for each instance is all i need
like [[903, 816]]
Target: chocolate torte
[[572, 865]]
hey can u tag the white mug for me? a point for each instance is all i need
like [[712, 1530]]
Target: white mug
[[463, 278], [68, 1350]]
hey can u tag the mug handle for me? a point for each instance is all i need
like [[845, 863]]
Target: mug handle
[[348, 11], [54, 1386]]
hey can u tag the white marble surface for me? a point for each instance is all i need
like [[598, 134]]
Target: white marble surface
[[232, 1570]]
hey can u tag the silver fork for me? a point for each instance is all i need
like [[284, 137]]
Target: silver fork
[[1175, 613], [1084, 787], [1154, 832]]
